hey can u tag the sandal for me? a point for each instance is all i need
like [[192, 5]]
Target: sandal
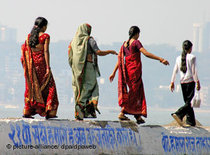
[[78, 119], [177, 119], [28, 116], [122, 117], [139, 120], [79, 112], [90, 110], [49, 117]]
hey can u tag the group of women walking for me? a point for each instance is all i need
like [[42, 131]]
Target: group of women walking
[[40, 93]]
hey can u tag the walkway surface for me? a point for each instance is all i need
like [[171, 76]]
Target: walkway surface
[[39, 136]]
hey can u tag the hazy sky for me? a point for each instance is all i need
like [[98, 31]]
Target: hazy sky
[[160, 21]]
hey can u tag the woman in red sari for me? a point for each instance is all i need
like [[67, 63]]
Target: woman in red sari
[[40, 93], [130, 74]]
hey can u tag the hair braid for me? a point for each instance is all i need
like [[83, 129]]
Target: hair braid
[[132, 32], [186, 46]]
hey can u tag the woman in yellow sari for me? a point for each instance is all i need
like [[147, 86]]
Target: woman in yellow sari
[[82, 54]]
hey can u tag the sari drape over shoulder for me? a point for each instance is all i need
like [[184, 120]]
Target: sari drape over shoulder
[[40, 91], [133, 100]]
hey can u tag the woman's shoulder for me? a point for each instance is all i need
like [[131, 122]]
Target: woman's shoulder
[[137, 43], [43, 37], [46, 35], [91, 39], [191, 56], [178, 58]]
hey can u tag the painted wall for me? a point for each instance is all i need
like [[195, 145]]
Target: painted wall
[[27, 136]]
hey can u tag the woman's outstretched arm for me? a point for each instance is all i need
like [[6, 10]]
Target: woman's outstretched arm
[[152, 56], [95, 48], [103, 53]]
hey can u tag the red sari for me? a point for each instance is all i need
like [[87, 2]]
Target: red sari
[[130, 74], [40, 93]]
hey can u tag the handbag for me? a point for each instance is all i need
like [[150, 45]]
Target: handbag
[[196, 101]]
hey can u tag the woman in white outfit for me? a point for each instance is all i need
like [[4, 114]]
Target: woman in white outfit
[[186, 65]]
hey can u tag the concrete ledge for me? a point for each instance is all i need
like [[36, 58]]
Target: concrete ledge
[[38, 136]]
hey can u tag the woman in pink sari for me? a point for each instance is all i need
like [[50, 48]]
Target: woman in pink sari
[[130, 74], [40, 93]]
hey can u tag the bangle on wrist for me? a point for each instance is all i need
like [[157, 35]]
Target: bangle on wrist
[[161, 60]]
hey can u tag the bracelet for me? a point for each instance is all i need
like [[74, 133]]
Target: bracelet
[[161, 60]]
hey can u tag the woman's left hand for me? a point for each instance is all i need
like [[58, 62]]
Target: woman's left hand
[[165, 62], [172, 86], [198, 86], [47, 73], [113, 52]]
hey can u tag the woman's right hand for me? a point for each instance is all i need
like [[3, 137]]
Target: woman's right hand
[[113, 52], [172, 86], [111, 78]]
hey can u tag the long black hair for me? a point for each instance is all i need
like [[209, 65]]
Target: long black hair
[[132, 32], [34, 35], [185, 46]]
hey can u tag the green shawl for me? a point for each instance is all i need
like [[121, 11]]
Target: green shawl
[[77, 57]]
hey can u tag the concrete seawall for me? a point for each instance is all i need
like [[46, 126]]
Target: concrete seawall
[[38, 136]]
